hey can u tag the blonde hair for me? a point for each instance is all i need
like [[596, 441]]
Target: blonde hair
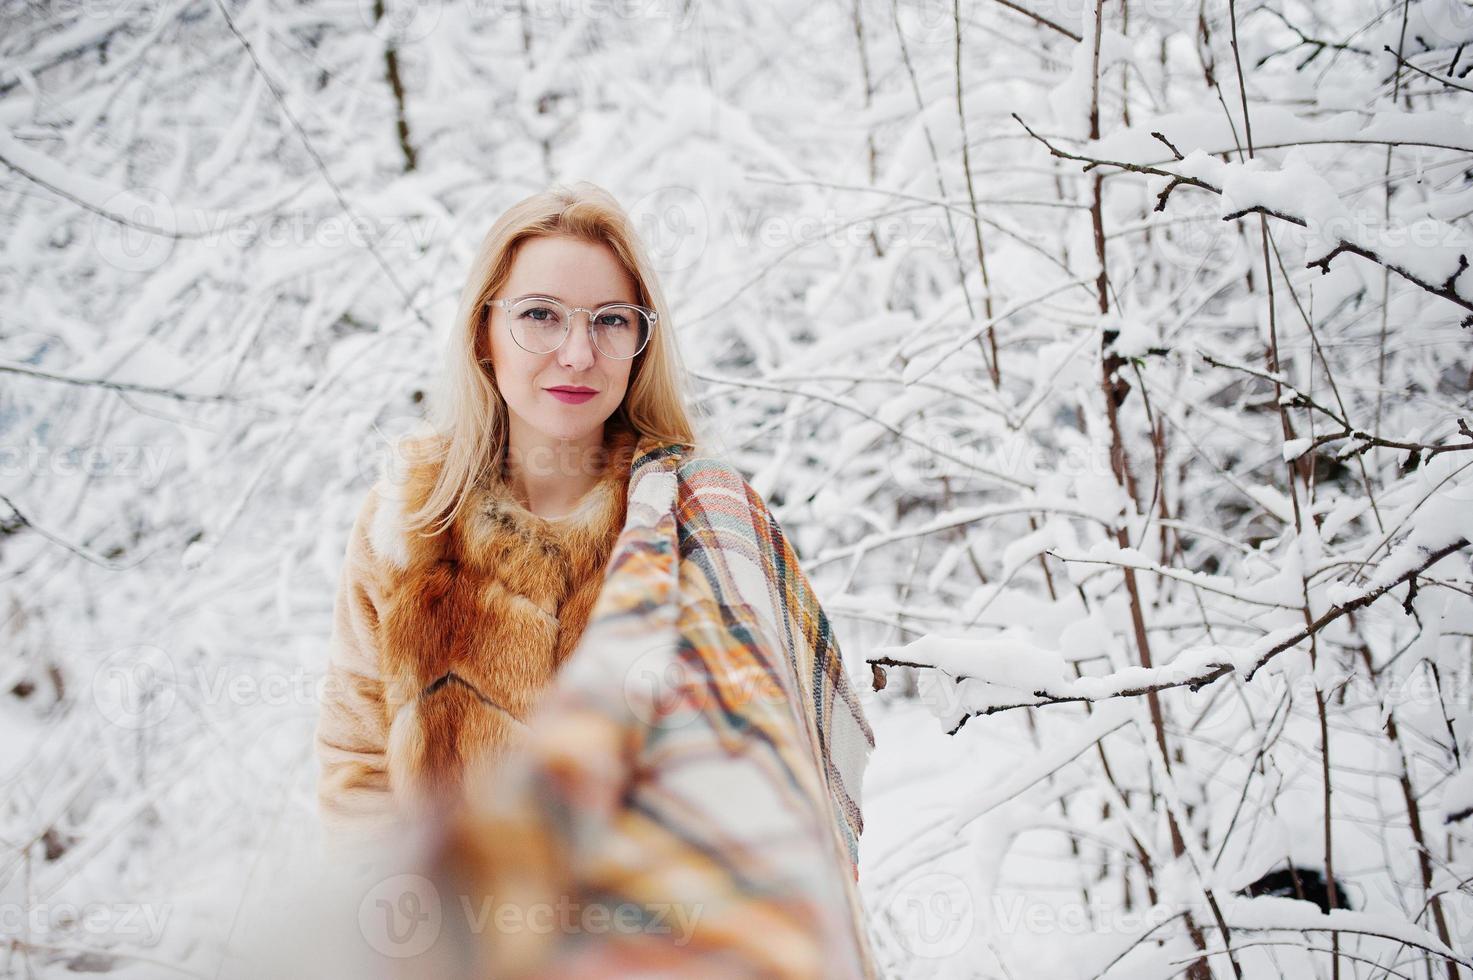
[[469, 417]]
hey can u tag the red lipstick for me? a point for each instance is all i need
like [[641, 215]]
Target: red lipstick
[[572, 394]]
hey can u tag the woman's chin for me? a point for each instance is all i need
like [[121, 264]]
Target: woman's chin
[[574, 425]]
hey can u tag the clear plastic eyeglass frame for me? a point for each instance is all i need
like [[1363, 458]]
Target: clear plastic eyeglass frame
[[567, 313]]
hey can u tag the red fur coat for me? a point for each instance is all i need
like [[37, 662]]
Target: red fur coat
[[441, 645]]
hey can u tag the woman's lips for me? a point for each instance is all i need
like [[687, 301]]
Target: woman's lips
[[571, 397]]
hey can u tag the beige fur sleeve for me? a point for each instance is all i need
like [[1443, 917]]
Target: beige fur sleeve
[[353, 796]]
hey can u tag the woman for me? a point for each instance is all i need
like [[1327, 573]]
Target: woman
[[559, 570]]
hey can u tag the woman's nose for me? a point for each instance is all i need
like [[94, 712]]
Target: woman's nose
[[578, 351]]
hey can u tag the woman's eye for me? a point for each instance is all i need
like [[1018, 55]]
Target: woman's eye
[[537, 313], [613, 320]]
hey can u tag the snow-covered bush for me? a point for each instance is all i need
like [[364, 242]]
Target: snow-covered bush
[[1107, 364]]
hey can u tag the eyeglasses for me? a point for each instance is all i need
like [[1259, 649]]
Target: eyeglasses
[[540, 324]]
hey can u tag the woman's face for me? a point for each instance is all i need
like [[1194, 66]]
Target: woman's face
[[582, 274]]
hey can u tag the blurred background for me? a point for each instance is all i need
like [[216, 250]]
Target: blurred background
[[1106, 363]]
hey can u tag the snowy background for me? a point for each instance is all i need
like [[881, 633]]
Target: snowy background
[[1106, 366]]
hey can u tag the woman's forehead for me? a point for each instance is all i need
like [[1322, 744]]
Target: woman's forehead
[[569, 269]]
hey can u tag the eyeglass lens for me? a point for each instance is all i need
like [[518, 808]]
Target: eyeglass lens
[[539, 325]]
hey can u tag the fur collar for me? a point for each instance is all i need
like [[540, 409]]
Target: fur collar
[[477, 619]]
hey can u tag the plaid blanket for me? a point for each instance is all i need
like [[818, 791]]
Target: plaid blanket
[[693, 775]]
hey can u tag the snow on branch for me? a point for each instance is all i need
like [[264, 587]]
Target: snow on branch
[[1434, 261], [1008, 668]]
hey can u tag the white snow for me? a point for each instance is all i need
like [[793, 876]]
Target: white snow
[[259, 299]]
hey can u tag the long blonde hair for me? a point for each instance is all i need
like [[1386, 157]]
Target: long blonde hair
[[469, 417]]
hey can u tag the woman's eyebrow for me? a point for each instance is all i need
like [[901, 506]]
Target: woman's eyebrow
[[561, 300]]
